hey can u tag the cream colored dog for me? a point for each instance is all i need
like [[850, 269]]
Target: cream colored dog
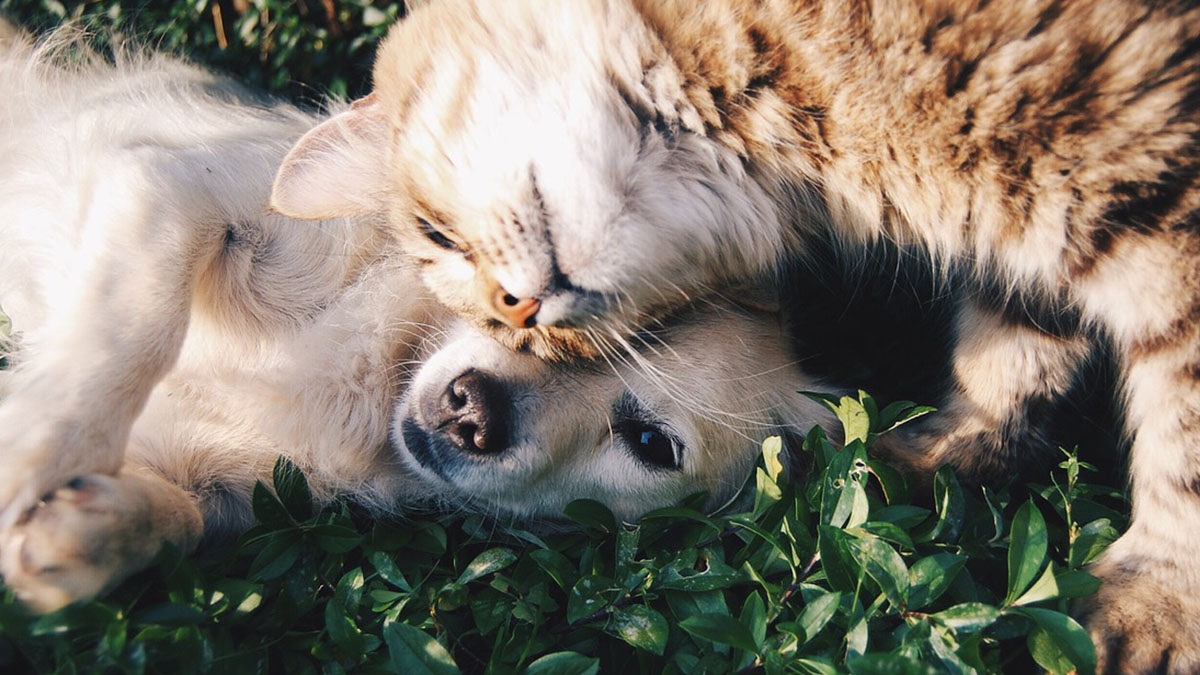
[[173, 338]]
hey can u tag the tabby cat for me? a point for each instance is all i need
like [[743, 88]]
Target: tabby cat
[[569, 172]]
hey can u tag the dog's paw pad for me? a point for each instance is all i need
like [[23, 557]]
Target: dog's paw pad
[[73, 543]]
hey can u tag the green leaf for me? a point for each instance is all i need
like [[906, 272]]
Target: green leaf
[[884, 530], [73, 617], [855, 421], [556, 565], [754, 617], [1076, 584], [588, 596], [640, 626], [891, 481], [817, 613], [268, 509], [884, 565], [857, 635], [490, 608], [950, 506], [766, 492], [676, 512], [844, 500], [1026, 550], [837, 561], [414, 652], [591, 514], [340, 612], [335, 538], [1044, 588], [905, 516], [1091, 541], [816, 666], [888, 664], [627, 546], [388, 571], [277, 557], [491, 560], [771, 448], [292, 488], [716, 575], [929, 577], [720, 628], [171, 614], [564, 663], [1065, 634], [968, 617], [899, 412], [1046, 652]]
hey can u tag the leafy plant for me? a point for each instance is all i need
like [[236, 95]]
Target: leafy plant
[[842, 571], [303, 49]]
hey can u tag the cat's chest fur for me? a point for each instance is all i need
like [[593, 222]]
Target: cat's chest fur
[[1031, 136]]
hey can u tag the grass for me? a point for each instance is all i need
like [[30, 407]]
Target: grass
[[843, 570]]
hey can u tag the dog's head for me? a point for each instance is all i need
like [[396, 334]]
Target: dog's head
[[507, 433]]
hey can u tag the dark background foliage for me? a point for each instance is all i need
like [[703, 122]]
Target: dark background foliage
[[299, 48]]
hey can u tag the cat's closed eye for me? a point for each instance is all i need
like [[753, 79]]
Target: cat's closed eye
[[432, 233]]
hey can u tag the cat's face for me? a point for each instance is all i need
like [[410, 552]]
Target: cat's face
[[508, 433], [557, 189]]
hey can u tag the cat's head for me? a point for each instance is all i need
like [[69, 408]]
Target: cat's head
[[542, 161], [507, 433]]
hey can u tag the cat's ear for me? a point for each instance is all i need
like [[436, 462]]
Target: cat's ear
[[337, 168]]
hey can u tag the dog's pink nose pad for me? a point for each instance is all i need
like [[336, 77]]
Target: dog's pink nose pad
[[518, 312]]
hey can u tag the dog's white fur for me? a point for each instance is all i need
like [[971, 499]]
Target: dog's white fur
[[174, 338]]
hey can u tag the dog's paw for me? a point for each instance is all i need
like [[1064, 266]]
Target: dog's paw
[[38, 458], [77, 542], [1141, 624]]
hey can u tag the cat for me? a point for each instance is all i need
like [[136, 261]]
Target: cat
[[566, 172]]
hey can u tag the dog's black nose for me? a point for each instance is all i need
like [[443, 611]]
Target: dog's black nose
[[473, 413]]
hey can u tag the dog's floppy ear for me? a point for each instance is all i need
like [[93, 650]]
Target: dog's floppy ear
[[337, 168]]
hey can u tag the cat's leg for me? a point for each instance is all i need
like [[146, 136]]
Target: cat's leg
[[92, 533], [1006, 377], [1146, 615], [116, 326]]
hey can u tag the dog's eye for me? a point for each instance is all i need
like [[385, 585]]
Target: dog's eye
[[435, 235], [651, 446]]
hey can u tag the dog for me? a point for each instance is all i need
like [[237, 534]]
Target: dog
[[172, 338]]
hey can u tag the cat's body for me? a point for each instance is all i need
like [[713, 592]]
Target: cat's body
[[611, 159]]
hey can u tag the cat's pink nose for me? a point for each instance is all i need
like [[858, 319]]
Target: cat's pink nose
[[518, 312]]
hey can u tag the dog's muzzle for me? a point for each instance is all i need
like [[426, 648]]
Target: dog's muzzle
[[470, 420]]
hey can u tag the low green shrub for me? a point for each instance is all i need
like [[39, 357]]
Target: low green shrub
[[303, 49], [844, 570]]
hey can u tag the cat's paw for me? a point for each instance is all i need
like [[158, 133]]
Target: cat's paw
[[1141, 624], [77, 542]]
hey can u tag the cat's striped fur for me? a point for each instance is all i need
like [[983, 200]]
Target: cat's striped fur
[[611, 158]]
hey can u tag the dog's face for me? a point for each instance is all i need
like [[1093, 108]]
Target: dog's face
[[506, 433]]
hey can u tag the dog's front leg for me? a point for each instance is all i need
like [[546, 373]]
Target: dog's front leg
[[117, 326]]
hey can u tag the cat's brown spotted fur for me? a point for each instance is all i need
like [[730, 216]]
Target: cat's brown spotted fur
[[1050, 146]]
